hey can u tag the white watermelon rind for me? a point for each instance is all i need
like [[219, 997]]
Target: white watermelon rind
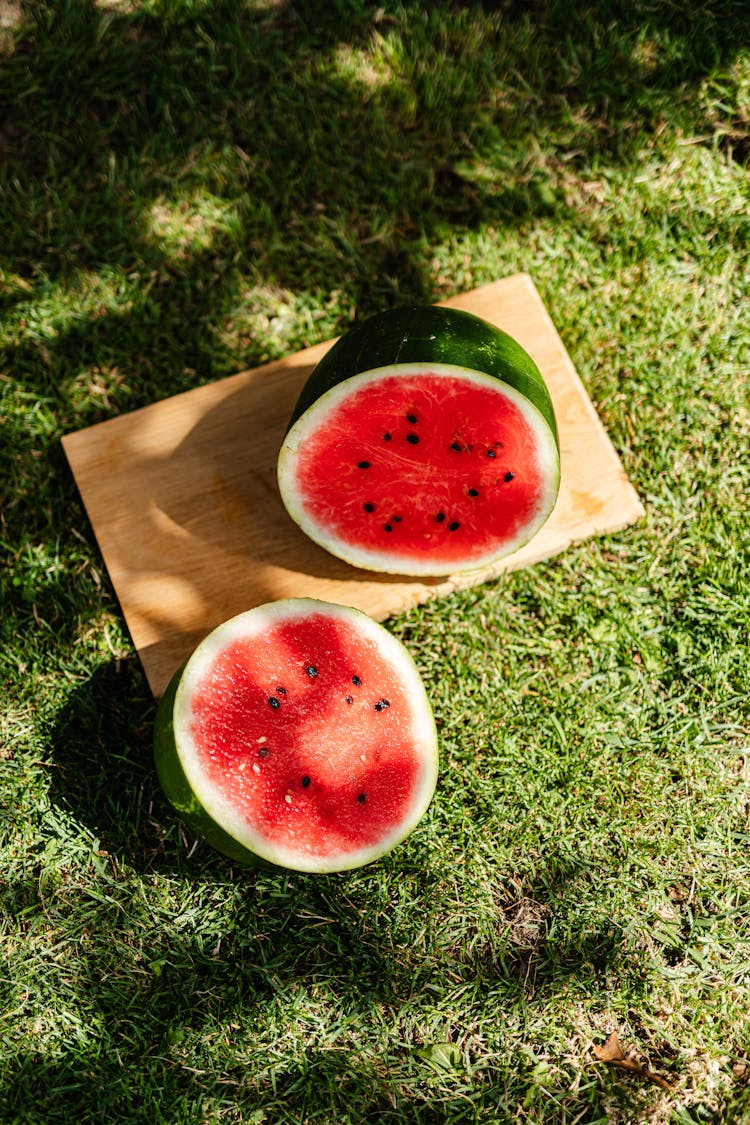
[[390, 562], [214, 818]]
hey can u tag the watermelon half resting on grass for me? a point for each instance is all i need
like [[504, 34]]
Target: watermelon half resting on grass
[[298, 735], [423, 443]]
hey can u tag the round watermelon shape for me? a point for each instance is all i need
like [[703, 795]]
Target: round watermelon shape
[[423, 443], [298, 735]]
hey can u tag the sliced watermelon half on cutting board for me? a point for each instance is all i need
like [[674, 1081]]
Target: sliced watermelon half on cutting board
[[298, 735], [423, 443]]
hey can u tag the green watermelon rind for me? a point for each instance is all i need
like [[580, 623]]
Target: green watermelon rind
[[392, 562], [428, 334], [180, 781]]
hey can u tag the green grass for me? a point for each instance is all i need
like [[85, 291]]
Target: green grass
[[190, 188]]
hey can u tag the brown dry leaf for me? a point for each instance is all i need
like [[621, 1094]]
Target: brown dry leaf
[[611, 1052]]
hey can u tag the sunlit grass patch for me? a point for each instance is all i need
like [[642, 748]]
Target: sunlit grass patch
[[192, 223], [49, 308], [11, 18], [365, 68], [267, 322]]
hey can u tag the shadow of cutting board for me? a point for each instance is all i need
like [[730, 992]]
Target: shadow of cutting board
[[183, 500]]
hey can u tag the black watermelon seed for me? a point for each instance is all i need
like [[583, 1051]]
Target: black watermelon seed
[[356, 681], [508, 477], [369, 507], [387, 527], [457, 446], [363, 464], [473, 492], [412, 439], [491, 453], [312, 671], [386, 437], [349, 700], [361, 798], [454, 526], [397, 519], [281, 690], [274, 702], [305, 782], [382, 704], [440, 517], [411, 418], [263, 752]]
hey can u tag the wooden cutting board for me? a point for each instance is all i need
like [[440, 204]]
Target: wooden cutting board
[[183, 500]]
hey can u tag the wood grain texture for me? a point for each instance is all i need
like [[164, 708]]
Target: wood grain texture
[[183, 500]]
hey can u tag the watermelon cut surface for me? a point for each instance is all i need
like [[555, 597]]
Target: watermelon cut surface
[[298, 735], [423, 443]]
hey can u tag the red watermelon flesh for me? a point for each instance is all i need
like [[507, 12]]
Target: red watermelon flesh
[[426, 458], [304, 738], [322, 752], [420, 469]]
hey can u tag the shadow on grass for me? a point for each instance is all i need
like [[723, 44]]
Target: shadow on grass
[[103, 771], [291, 161], [204, 185], [175, 179], [350, 1089], [172, 1029]]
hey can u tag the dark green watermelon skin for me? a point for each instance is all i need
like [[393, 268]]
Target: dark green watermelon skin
[[428, 334]]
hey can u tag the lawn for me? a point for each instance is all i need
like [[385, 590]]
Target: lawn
[[189, 188]]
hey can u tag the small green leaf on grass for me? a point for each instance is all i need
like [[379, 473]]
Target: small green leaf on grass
[[444, 1055]]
